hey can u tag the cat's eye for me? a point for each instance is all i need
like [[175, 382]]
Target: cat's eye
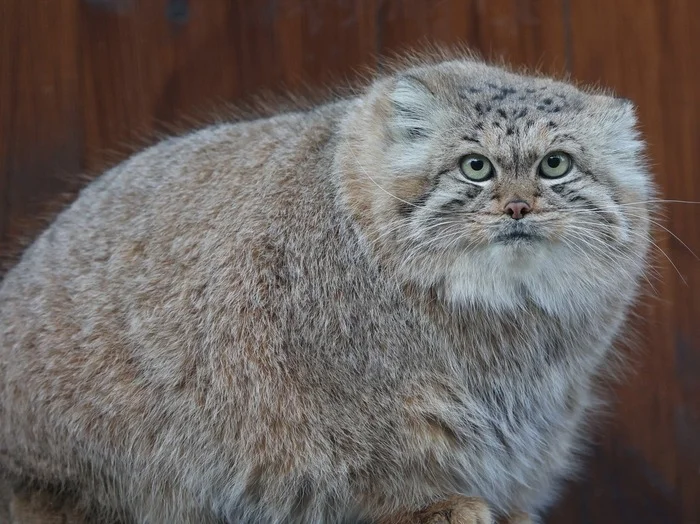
[[476, 167], [556, 164]]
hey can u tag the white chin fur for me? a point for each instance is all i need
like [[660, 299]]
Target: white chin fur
[[505, 276]]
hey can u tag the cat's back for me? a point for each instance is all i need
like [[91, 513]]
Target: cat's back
[[199, 195], [112, 313]]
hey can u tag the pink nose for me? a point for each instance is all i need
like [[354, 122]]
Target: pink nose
[[517, 209]]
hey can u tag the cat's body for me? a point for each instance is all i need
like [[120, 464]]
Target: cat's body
[[235, 325]]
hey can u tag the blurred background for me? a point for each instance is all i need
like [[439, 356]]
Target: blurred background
[[83, 82]]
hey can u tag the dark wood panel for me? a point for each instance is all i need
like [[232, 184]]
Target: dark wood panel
[[145, 69], [84, 82], [40, 122], [528, 33]]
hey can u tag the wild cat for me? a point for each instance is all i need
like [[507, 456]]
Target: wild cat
[[388, 308]]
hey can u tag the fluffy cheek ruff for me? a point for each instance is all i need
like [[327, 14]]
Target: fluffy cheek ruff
[[567, 275]]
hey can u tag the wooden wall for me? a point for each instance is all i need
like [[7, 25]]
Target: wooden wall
[[82, 80]]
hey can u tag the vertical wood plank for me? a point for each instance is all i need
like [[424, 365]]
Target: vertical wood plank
[[141, 69], [127, 76], [7, 49], [528, 33], [407, 23], [41, 135]]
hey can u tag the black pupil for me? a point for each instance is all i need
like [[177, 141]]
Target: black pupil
[[477, 165], [553, 162]]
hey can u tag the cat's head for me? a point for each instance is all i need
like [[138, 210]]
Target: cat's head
[[498, 188]]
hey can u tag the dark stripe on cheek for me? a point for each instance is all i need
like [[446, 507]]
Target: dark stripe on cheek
[[574, 197], [452, 205], [471, 191], [561, 189], [590, 174], [607, 217], [407, 208], [571, 195], [608, 183]]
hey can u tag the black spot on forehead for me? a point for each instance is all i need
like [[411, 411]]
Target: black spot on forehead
[[482, 109], [502, 91], [467, 90], [549, 108], [519, 113], [510, 102]]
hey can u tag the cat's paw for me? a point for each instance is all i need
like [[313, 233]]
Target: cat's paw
[[457, 510]]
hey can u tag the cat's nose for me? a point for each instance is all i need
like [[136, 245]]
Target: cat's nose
[[517, 209]]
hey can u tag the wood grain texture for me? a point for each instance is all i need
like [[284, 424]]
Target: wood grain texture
[[84, 82]]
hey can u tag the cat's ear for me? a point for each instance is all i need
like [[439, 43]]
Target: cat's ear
[[621, 144], [617, 110], [414, 109], [620, 119], [627, 111]]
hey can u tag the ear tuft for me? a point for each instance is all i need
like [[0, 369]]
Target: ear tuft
[[414, 108]]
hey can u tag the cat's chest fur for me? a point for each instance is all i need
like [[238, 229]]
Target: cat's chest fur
[[480, 402], [507, 411]]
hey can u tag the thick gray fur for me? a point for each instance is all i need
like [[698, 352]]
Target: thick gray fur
[[314, 317]]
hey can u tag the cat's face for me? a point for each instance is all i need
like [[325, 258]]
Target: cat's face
[[507, 187]]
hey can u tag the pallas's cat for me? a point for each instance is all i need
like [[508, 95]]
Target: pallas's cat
[[391, 307]]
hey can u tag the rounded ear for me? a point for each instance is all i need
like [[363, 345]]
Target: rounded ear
[[414, 107], [623, 110], [628, 111]]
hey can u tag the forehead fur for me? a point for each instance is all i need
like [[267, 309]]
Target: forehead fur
[[516, 117]]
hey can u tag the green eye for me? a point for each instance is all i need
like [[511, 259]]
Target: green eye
[[476, 167], [556, 165]]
